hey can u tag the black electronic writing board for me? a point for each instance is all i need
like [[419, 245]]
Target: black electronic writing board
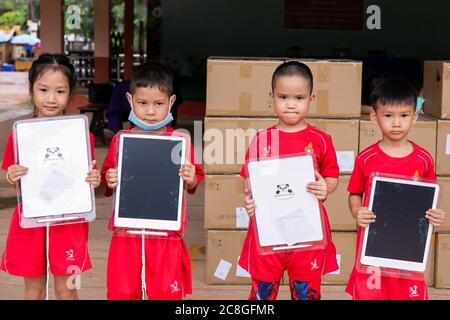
[[149, 192], [400, 236]]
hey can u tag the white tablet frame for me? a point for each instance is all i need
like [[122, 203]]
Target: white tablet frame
[[394, 263], [263, 214], [154, 224], [64, 216]]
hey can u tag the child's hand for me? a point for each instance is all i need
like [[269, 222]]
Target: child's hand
[[318, 188], [250, 205], [364, 217], [15, 172], [93, 176], [111, 178], [187, 173], [435, 216]]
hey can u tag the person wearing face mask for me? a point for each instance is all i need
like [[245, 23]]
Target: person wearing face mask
[[167, 265]]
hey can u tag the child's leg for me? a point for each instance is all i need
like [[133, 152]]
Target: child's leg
[[305, 290], [262, 290], [62, 290], [35, 288]]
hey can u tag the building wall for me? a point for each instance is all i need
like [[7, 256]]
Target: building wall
[[201, 28]]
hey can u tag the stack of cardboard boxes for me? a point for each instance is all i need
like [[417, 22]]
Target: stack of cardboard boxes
[[436, 91], [237, 106]]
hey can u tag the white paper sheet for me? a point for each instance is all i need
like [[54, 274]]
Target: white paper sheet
[[447, 147], [346, 160], [222, 270], [242, 218]]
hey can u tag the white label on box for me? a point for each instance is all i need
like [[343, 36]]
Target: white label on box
[[338, 271], [241, 218], [240, 272], [222, 270], [447, 149], [346, 160]]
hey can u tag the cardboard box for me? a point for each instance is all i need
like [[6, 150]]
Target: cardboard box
[[444, 201], [344, 133], [436, 88], [345, 243], [234, 135], [442, 271], [226, 142], [224, 202], [337, 208], [223, 251], [241, 86], [429, 271], [422, 133], [443, 147]]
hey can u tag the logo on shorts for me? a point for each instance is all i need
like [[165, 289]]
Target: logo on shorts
[[413, 291], [70, 255], [174, 287], [314, 265]]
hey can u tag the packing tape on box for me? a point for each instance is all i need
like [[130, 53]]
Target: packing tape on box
[[323, 72], [245, 71], [446, 72], [322, 101], [239, 186], [358, 67], [245, 102]]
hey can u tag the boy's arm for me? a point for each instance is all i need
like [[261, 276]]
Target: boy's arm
[[332, 184], [362, 215], [354, 202]]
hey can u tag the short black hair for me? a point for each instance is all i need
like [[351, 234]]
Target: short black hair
[[393, 91], [293, 68], [47, 61], [152, 74]]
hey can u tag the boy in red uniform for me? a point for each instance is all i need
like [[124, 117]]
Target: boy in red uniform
[[394, 110], [292, 84], [168, 269]]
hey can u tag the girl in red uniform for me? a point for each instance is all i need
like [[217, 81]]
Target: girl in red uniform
[[52, 79]]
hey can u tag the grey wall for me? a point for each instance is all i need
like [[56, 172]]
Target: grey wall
[[201, 28]]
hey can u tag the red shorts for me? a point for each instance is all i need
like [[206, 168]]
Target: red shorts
[[301, 265], [366, 287], [25, 255], [167, 269]]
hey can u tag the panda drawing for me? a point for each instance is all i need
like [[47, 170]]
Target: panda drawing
[[284, 191]]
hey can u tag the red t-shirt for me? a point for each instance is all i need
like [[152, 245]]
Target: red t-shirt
[[110, 162], [373, 159], [273, 142]]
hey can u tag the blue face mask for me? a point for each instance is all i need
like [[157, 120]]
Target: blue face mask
[[146, 126], [419, 103], [149, 127]]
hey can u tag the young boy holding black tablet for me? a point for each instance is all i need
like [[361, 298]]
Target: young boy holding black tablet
[[167, 263], [395, 112]]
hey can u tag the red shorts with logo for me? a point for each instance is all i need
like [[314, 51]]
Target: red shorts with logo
[[25, 255], [363, 286], [167, 269], [305, 265]]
